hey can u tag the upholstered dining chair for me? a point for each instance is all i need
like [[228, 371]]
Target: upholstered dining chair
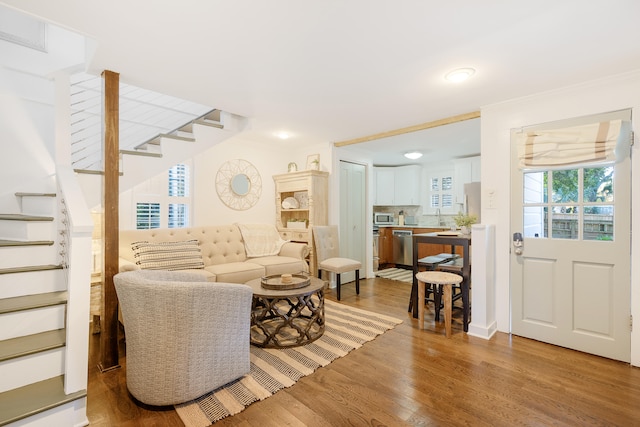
[[185, 336], [327, 245]]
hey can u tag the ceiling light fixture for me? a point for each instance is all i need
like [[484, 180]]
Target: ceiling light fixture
[[282, 135], [413, 155], [459, 75]]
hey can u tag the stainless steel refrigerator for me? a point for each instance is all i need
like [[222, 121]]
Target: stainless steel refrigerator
[[472, 197]]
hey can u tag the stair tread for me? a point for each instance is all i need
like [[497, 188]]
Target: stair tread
[[207, 122], [140, 153], [5, 242], [27, 302], [34, 398], [24, 217], [30, 268], [35, 194], [30, 344]]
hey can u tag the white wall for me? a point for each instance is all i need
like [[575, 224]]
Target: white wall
[[207, 208], [610, 94]]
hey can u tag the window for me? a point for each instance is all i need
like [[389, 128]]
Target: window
[[164, 201], [441, 190], [178, 215], [580, 206], [147, 216], [179, 181]]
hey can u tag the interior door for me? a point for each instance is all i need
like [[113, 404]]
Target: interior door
[[352, 214], [570, 277]]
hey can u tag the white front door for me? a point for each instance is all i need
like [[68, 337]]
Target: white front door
[[570, 286]]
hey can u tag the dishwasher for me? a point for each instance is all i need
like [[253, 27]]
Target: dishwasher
[[403, 247]]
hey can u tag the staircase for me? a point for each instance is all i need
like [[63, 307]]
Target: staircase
[[34, 318]]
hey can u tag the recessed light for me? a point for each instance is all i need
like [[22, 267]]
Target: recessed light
[[413, 155], [459, 75]]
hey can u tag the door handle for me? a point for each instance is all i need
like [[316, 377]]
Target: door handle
[[518, 243]]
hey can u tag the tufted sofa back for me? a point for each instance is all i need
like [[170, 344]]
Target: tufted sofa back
[[219, 244]]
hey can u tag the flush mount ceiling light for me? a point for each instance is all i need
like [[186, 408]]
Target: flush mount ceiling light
[[413, 155], [282, 135], [459, 75]]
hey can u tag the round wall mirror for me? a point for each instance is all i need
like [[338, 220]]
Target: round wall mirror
[[240, 184]]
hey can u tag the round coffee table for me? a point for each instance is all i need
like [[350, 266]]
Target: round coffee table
[[287, 318]]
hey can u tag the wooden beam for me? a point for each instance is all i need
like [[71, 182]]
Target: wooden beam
[[423, 126], [110, 227]]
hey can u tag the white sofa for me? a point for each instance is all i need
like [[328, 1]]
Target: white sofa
[[223, 251]]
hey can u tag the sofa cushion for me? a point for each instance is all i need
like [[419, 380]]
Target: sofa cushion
[[236, 272], [280, 264], [184, 255]]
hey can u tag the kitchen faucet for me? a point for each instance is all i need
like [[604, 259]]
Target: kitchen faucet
[[439, 217]]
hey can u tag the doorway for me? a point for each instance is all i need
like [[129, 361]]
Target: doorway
[[570, 276]]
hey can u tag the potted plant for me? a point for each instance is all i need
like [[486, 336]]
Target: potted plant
[[464, 221]]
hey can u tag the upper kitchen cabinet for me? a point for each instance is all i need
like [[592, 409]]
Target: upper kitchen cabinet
[[399, 186], [465, 170]]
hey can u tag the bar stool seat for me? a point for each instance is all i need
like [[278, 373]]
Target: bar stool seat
[[437, 278]]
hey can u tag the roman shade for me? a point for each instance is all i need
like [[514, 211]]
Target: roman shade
[[594, 143]]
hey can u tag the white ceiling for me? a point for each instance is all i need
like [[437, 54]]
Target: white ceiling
[[334, 70]]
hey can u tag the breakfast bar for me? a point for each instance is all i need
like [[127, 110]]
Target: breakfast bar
[[453, 240]]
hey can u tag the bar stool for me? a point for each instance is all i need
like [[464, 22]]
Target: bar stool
[[443, 280]]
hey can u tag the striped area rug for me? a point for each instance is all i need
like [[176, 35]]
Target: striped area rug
[[400, 274], [346, 329]]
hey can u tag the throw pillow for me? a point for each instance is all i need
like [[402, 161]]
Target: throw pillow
[[168, 255]]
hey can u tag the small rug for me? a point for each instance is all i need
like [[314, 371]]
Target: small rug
[[346, 329], [400, 274]]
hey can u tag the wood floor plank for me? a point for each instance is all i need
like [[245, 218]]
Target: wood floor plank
[[416, 377]]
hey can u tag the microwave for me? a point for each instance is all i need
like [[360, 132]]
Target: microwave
[[380, 218]]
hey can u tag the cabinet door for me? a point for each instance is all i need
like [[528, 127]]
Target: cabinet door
[[384, 186], [407, 185], [385, 246]]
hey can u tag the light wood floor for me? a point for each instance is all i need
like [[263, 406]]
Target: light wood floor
[[409, 377]]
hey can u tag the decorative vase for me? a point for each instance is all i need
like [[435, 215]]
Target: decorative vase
[[465, 230]]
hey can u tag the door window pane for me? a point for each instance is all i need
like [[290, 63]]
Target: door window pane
[[598, 222], [535, 221], [564, 222], [565, 186], [535, 187], [598, 184]]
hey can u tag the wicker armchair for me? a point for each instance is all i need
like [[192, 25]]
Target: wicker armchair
[[185, 336]]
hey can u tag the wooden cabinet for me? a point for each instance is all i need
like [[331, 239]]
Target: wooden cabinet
[[310, 189], [399, 186], [385, 246]]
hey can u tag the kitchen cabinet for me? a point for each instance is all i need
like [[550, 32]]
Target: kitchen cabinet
[[399, 186], [385, 182], [465, 170], [385, 246]]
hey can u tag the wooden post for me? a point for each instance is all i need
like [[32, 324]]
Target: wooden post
[[110, 193]]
